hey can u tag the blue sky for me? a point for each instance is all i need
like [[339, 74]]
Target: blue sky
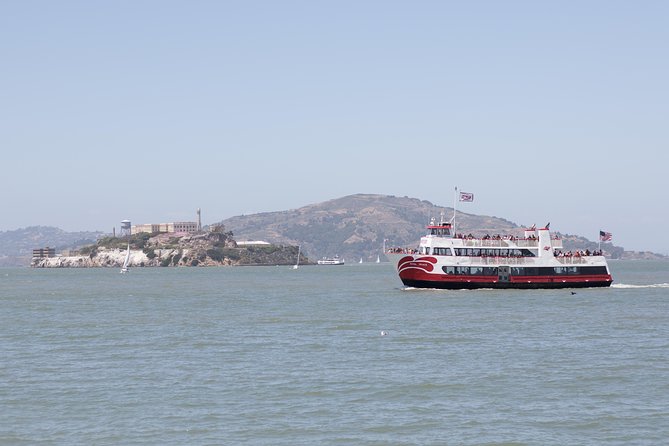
[[147, 110]]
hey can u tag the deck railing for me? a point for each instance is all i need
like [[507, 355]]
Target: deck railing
[[497, 243], [522, 260], [506, 243]]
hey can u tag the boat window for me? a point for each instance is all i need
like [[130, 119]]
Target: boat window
[[524, 271], [441, 251], [441, 231], [561, 270], [473, 270], [557, 271], [594, 269]]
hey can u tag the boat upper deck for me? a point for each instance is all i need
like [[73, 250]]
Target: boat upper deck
[[492, 242], [533, 244]]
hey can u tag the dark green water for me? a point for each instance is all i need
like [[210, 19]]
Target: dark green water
[[275, 356]]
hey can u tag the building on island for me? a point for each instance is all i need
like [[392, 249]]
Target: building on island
[[177, 226], [188, 227], [252, 243], [43, 253], [126, 228]]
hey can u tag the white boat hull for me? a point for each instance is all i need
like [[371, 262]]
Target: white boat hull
[[330, 262]]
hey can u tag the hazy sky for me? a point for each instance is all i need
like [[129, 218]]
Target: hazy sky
[[147, 110]]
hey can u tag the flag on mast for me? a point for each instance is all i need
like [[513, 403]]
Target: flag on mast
[[605, 236], [466, 196]]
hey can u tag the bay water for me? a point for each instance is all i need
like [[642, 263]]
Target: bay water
[[277, 356]]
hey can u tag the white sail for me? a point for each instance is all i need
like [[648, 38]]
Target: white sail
[[297, 265], [378, 259], [124, 268]]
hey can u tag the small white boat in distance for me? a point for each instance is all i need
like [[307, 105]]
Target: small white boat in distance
[[126, 261], [331, 261]]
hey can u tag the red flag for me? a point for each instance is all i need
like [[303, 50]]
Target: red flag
[[466, 196]]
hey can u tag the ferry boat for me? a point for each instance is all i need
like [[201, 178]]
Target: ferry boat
[[331, 261], [535, 260]]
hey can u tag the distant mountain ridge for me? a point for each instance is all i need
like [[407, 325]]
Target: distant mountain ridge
[[352, 227], [356, 226], [16, 246]]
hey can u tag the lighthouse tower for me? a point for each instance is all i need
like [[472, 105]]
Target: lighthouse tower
[[199, 220]]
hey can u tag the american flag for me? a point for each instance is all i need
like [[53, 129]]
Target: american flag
[[466, 196], [605, 236]]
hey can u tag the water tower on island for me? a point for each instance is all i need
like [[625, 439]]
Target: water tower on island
[[125, 228]]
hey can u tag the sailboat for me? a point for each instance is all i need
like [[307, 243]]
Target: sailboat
[[360, 260], [124, 268], [297, 265], [378, 259]]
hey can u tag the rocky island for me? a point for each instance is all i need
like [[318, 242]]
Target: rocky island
[[212, 248]]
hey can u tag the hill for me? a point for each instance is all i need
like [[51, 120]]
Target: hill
[[356, 226], [16, 246], [352, 227]]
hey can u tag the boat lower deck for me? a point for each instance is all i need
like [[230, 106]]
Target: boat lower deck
[[515, 284]]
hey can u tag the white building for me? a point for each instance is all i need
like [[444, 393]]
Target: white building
[[253, 243], [179, 226]]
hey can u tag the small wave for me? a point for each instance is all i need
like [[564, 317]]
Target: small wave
[[653, 285]]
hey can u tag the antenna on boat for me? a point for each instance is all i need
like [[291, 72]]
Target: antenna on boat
[[455, 201]]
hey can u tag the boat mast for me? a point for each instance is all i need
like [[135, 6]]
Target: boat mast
[[455, 201]]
